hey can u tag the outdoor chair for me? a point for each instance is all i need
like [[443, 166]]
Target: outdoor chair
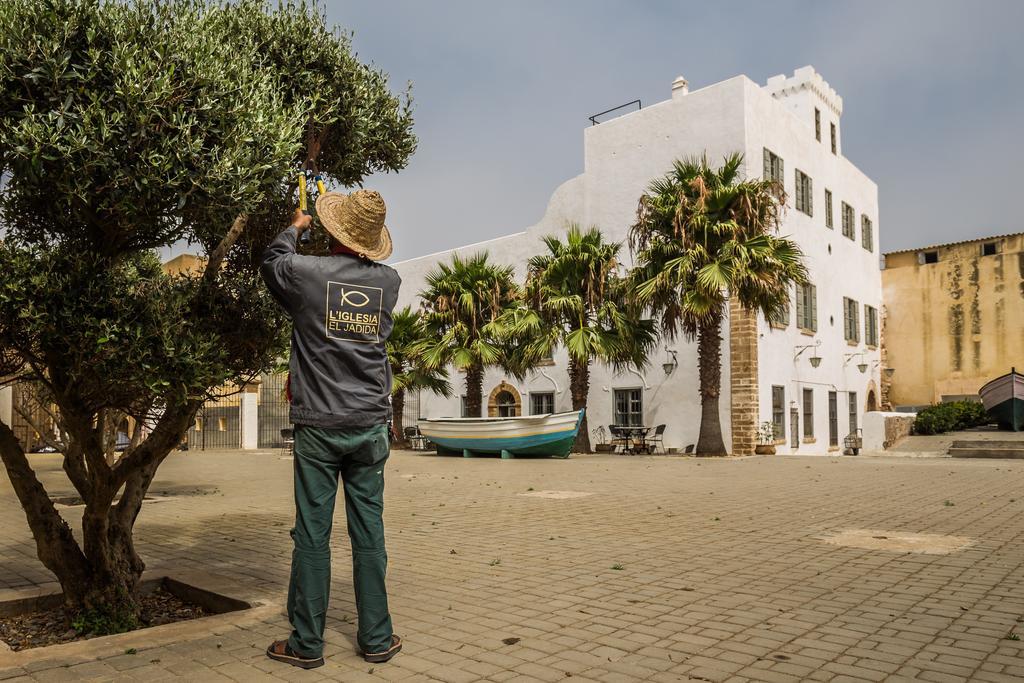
[[658, 439], [619, 438], [416, 440], [288, 441]]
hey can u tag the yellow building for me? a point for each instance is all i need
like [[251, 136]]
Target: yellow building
[[954, 318], [190, 264]]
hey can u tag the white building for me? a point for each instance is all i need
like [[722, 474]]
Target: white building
[[791, 126]]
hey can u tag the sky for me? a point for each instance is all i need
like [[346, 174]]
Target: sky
[[933, 102]]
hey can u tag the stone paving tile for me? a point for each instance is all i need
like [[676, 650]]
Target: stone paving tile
[[724, 574]]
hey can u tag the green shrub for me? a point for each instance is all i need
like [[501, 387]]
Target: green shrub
[[950, 417]]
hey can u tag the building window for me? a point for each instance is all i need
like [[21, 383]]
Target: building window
[[808, 413], [989, 249], [829, 223], [807, 307], [867, 234], [773, 167], [849, 229], [804, 193], [629, 407], [833, 419], [542, 403], [853, 412], [851, 322], [222, 424], [817, 124], [199, 424], [782, 318], [928, 257], [505, 402], [870, 325], [835, 138], [463, 408], [779, 411]]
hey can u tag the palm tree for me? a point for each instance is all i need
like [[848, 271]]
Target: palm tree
[[703, 235], [462, 313], [575, 298], [406, 346]]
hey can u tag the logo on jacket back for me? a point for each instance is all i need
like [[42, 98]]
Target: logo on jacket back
[[353, 312]]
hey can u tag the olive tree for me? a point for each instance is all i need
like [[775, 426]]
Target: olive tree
[[126, 127]]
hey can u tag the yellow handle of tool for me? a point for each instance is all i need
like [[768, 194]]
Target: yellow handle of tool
[[303, 203], [320, 187]]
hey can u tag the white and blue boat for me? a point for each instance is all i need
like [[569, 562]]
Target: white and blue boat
[[551, 434]]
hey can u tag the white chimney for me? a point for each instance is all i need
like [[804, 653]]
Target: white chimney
[[680, 87]]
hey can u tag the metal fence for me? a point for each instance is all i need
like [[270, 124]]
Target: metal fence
[[217, 424], [411, 410], [273, 410]]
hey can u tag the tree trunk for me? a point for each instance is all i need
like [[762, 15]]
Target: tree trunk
[[579, 388], [709, 357], [474, 390], [397, 418], [100, 578]]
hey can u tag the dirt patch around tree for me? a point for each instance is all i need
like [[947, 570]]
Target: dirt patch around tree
[[50, 626]]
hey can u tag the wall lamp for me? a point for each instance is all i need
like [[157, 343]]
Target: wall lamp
[[671, 363], [888, 371], [815, 359], [862, 366]]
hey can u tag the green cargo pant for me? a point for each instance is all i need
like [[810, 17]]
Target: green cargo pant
[[358, 456]]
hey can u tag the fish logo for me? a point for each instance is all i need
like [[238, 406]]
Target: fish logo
[[354, 298]]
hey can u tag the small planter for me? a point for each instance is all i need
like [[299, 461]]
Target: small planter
[[765, 439], [603, 448]]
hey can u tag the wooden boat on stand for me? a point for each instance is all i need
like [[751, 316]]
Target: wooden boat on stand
[[549, 435], [1003, 398]]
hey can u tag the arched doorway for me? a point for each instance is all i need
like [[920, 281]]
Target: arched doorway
[[872, 401], [504, 401]]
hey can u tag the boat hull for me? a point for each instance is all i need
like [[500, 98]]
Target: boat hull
[[542, 435], [1009, 414], [1003, 398]]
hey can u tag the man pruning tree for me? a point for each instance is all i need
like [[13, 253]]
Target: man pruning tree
[[339, 382]]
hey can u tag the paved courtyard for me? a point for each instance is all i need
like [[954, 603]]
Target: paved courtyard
[[643, 568]]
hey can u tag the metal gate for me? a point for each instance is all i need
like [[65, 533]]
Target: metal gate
[[29, 416], [273, 410], [218, 424]]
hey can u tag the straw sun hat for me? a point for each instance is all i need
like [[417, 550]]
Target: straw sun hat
[[357, 221]]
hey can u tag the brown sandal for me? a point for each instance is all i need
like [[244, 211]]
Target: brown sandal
[[381, 657], [280, 651]]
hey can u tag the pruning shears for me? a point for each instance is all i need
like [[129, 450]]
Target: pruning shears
[[309, 172]]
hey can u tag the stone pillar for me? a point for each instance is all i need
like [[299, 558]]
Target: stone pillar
[[744, 403], [883, 355], [7, 406], [249, 414]]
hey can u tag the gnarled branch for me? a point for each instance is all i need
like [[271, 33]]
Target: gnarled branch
[[222, 249]]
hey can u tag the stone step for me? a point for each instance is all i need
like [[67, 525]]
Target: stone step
[[1016, 453], [1005, 443]]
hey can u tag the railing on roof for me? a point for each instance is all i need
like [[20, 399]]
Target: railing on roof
[[594, 121]]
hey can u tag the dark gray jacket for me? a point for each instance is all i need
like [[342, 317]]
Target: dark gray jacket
[[340, 307]]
